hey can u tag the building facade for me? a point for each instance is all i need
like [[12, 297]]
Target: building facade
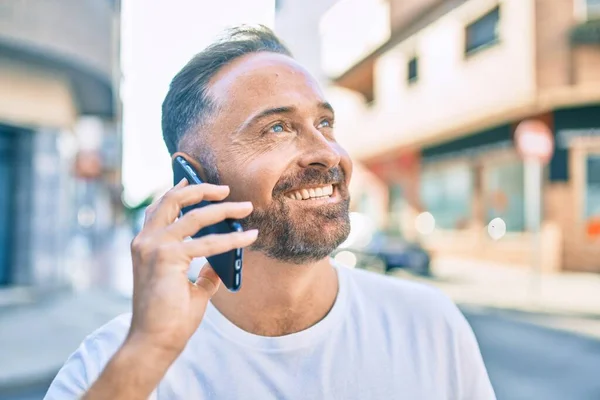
[[58, 104], [443, 93]]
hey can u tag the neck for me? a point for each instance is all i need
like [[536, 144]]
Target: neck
[[277, 298]]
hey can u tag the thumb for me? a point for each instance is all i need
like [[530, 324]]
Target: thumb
[[208, 281]]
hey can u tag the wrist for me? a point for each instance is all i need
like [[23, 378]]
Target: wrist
[[147, 352]]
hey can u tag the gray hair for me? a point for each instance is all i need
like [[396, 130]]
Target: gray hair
[[187, 104]]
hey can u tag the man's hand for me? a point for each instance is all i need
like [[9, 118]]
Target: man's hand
[[167, 307]]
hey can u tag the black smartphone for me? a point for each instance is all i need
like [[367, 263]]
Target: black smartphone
[[227, 265]]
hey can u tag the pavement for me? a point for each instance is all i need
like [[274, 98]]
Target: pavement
[[38, 333], [36, 338], [567, 301]]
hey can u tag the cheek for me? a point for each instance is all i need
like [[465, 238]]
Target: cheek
[[254, 180]]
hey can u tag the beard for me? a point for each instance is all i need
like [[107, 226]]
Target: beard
[[299, 236]]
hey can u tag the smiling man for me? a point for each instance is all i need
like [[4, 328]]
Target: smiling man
[[259, 129]]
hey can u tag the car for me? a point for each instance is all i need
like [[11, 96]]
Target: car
[[390, 253]]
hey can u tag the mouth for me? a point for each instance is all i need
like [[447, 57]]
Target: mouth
[[312, 193]]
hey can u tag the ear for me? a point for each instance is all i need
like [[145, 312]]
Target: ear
[[192, 161]]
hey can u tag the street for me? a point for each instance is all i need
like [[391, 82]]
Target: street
[[525, 361], [530, 362]]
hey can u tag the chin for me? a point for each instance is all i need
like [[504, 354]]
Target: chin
[[299, 236], [304, 244]]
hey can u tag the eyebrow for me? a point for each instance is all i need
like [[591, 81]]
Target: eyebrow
[[280, 110]]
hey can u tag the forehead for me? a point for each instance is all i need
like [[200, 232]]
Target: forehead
[[260, 80]]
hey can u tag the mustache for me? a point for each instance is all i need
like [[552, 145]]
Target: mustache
[[310, 177]]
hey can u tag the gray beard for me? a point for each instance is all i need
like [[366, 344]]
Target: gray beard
[[299, 240]]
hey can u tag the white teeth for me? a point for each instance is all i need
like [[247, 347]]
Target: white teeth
[[311, 194]]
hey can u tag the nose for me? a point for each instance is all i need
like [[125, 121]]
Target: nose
[[318, 151]]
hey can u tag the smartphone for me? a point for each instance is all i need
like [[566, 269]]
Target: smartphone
[[227, 265]]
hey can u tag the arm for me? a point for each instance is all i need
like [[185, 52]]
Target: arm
[[167, 307], [133, 373]]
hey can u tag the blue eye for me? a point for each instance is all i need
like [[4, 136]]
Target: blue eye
[[325, 124], [277, 128]]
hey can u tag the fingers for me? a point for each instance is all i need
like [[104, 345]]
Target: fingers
[[216, 244], [197, 219], [208, 282], [182, 195]]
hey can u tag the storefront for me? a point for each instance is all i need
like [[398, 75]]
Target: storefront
[[468, 182], [400, 174], [575, 178]]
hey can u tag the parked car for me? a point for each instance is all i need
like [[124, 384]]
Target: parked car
[[391, 253]]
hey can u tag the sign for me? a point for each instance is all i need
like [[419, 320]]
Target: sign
[[535, 144], [534, 141], [593, 228], [566, 137]]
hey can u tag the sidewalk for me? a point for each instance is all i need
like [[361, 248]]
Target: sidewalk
[[569, 301], [36, 339]]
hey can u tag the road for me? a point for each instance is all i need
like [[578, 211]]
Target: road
[[525, 361]]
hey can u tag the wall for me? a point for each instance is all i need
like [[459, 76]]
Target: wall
[[403, 12], [297, 24], [34, 97], [75, 29], [452, 90]]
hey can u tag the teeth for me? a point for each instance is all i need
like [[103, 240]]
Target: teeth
[[311, 194]]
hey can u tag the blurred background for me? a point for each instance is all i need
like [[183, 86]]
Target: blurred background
[[474, 126]]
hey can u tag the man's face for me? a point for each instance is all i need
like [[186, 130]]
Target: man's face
[[273, 142]]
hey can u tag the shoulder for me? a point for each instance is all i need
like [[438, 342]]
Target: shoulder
[[113, 331], [420, 302], [87, 362]]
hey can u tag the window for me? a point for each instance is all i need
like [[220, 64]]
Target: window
[[447, 193], [483, 32], [413, 70], [592, 9], [592, 187], [504, 194]]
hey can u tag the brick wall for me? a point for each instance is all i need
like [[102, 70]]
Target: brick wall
[[586, 65], [554, 20]]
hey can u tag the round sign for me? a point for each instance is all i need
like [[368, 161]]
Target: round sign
[[534, 140]]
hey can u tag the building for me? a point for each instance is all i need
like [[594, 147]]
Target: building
[[59, 135], [444, 84]]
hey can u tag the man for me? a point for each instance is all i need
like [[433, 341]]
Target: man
[[246, 115]]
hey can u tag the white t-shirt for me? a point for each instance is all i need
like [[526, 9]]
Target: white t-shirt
[[384, 338]]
